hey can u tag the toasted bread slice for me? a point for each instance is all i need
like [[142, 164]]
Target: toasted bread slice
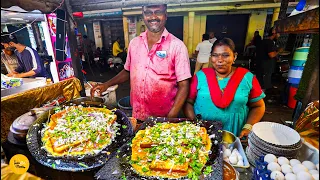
[[159, 165]]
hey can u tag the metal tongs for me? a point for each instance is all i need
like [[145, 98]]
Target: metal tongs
[[36, 111]]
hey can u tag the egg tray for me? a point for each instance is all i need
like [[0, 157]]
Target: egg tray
[[240, 149], [118, 167]]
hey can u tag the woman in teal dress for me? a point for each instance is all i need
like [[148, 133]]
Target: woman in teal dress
[[226, 93]]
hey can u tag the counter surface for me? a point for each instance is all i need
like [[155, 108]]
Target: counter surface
[[28, 83]]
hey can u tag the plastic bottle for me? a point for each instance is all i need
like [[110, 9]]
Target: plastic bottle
[[49, 81]]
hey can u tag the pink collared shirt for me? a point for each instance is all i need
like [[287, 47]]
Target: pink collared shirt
[[153, 79]]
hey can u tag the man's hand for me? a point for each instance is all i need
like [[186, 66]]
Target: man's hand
[[122, 77], [12, 73], [100, 88]]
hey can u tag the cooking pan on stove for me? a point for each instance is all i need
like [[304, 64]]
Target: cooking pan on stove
[[118, 166], [73, 164]]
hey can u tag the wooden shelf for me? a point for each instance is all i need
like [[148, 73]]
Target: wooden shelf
[[306, 22]]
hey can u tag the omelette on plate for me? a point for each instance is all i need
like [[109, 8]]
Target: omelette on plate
[[171, 150], [78, 131]]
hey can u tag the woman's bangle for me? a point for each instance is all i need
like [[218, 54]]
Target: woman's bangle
[[247, 126]]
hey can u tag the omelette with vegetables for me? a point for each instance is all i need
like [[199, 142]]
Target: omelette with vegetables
[[171, 150], [78, 131]]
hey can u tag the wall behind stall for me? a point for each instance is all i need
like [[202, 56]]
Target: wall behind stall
[[257, 22], [22, 36], [175, 26], [233, 26], [89, 26], [199, 28]]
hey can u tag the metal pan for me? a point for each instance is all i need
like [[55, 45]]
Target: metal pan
[[87, 101], [34, 144], [119, 166]]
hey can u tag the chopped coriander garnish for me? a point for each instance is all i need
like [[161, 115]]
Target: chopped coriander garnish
[[144, 169], [83, 165], [207, 170], [123, 177]]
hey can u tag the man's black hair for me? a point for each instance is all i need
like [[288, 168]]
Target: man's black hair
[[270, 32], [154, 5], [7, 38], [205, 37]]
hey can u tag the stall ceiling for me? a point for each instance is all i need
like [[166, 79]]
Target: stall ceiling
[[92, 5], [16, 15]]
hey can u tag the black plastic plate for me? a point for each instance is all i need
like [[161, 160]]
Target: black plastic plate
[[72, 164], [118, 167]]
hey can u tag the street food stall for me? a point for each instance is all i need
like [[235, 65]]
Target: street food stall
[[66, 136], [24, 85], [125, 152]]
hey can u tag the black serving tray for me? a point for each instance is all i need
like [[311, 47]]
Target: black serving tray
[[34, 144], [118, 166]]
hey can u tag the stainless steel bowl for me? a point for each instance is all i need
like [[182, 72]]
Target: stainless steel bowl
[[18, 135], [94, 101], [228, 139]]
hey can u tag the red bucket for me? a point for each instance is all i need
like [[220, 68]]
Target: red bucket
[[291, 101]]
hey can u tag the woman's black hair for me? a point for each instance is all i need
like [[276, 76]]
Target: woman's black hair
[[226, 42]]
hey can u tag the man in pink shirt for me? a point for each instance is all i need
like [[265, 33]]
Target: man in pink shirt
[[158, 67]]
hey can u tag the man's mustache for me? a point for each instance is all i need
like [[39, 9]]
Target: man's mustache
[[153, 20]]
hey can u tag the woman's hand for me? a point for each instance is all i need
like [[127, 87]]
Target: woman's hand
[[244, 135]]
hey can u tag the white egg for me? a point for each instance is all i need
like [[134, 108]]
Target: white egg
[[298, 168], [314, 172], [283, 160], [315, 176], [293, 162], [317, 166], [233, 153], [277, 175], [286, 168], [223, 148], [240, 163], [235, 150], [227, 153], [233, 159], [309, 165], [304, 176], [291, 176], [273, 166], [270, 158]]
